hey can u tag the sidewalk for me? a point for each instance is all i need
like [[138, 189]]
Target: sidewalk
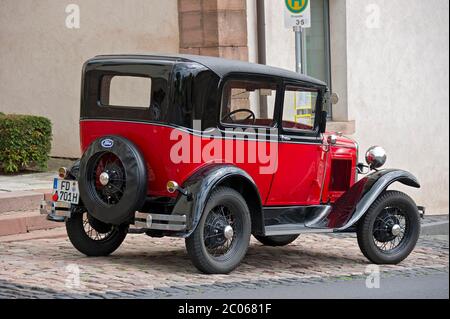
[[26, 182]]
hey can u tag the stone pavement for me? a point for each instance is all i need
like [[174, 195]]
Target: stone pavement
[[147, 267]]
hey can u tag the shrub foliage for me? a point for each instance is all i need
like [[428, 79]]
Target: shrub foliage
[[24, 141]]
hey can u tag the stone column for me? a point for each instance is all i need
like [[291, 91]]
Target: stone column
[[213, 28]]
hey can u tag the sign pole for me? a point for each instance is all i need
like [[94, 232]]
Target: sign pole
[[297, 15], [298, 50]]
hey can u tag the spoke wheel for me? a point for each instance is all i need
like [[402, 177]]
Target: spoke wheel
[[220, 241], [389, 230], [93, 237], [108, 178], [220, 231], [112, 180], [96, 230]]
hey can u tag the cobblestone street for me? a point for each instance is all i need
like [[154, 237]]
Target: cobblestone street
[[152, 268]]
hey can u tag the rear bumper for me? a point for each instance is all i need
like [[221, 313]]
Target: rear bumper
[[175, 223], [55, 211]]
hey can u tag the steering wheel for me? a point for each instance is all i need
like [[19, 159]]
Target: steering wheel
[[251, 116]]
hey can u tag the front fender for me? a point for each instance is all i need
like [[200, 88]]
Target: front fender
[[351, 206], [200, 185]]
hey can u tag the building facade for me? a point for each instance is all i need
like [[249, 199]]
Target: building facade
[[387, 60]]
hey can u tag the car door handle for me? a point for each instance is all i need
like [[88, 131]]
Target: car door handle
[[285, 138]]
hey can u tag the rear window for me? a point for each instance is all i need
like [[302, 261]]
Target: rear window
[[135, 92], [126, 91], [152, 91]]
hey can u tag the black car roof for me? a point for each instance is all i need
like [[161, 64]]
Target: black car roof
[[220, 66]]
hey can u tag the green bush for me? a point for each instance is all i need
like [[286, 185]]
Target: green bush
[[24, 141]]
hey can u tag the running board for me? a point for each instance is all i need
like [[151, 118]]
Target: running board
[[294, 220], [293, 229]]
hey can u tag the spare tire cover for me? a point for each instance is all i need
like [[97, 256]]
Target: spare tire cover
[[115, 197]]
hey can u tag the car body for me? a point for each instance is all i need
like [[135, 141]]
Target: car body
[[154, 168]]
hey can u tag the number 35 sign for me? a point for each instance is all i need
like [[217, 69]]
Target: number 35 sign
[[297, 13]]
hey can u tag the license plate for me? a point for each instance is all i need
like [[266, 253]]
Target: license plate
[[65, 191]]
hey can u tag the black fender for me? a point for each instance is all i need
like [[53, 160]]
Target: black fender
[[351, 206], [74, 171], [200, 185]]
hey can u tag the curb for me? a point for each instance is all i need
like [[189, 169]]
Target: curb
[[24, 222], [435, 228], [22, 200]]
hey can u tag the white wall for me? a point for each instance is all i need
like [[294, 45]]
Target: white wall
[[280, 41], [398, 87], [41, 60], [392, 77]]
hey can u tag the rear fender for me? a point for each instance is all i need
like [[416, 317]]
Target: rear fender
[[74, 171], [351, 206], [202, 183]]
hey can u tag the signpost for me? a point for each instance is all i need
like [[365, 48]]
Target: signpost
[[297, 16]]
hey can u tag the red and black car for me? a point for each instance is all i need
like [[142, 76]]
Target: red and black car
[[214, 151]]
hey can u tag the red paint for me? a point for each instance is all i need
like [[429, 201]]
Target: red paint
[[298, 180]]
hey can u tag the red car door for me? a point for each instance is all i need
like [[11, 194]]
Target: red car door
[[301, 153]]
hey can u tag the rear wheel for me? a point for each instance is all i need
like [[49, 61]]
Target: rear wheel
[[276, 240], [389, 230], [221, 238], [93, 237]]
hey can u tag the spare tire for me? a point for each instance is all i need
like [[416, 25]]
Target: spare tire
[[112, 180]]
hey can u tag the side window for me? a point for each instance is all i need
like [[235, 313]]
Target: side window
[[299, 108], [248, 103], [126, 91]]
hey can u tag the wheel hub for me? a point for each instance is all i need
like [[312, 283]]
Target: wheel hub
[[387, 227], [109, 179], [228, 232], [104, 178], [396, 230]]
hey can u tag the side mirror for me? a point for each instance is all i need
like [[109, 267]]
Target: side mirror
[[323, 122]]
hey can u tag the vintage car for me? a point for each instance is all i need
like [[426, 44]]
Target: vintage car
[[214, 151]]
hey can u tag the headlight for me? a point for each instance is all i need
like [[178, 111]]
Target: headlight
[[376, 157]]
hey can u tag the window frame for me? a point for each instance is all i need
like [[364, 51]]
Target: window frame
[[315, 133], [253, 78], [122, 107]]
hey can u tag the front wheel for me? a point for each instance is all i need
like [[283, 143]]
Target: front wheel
[[389, 230], [93, 237], [221, 239]]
